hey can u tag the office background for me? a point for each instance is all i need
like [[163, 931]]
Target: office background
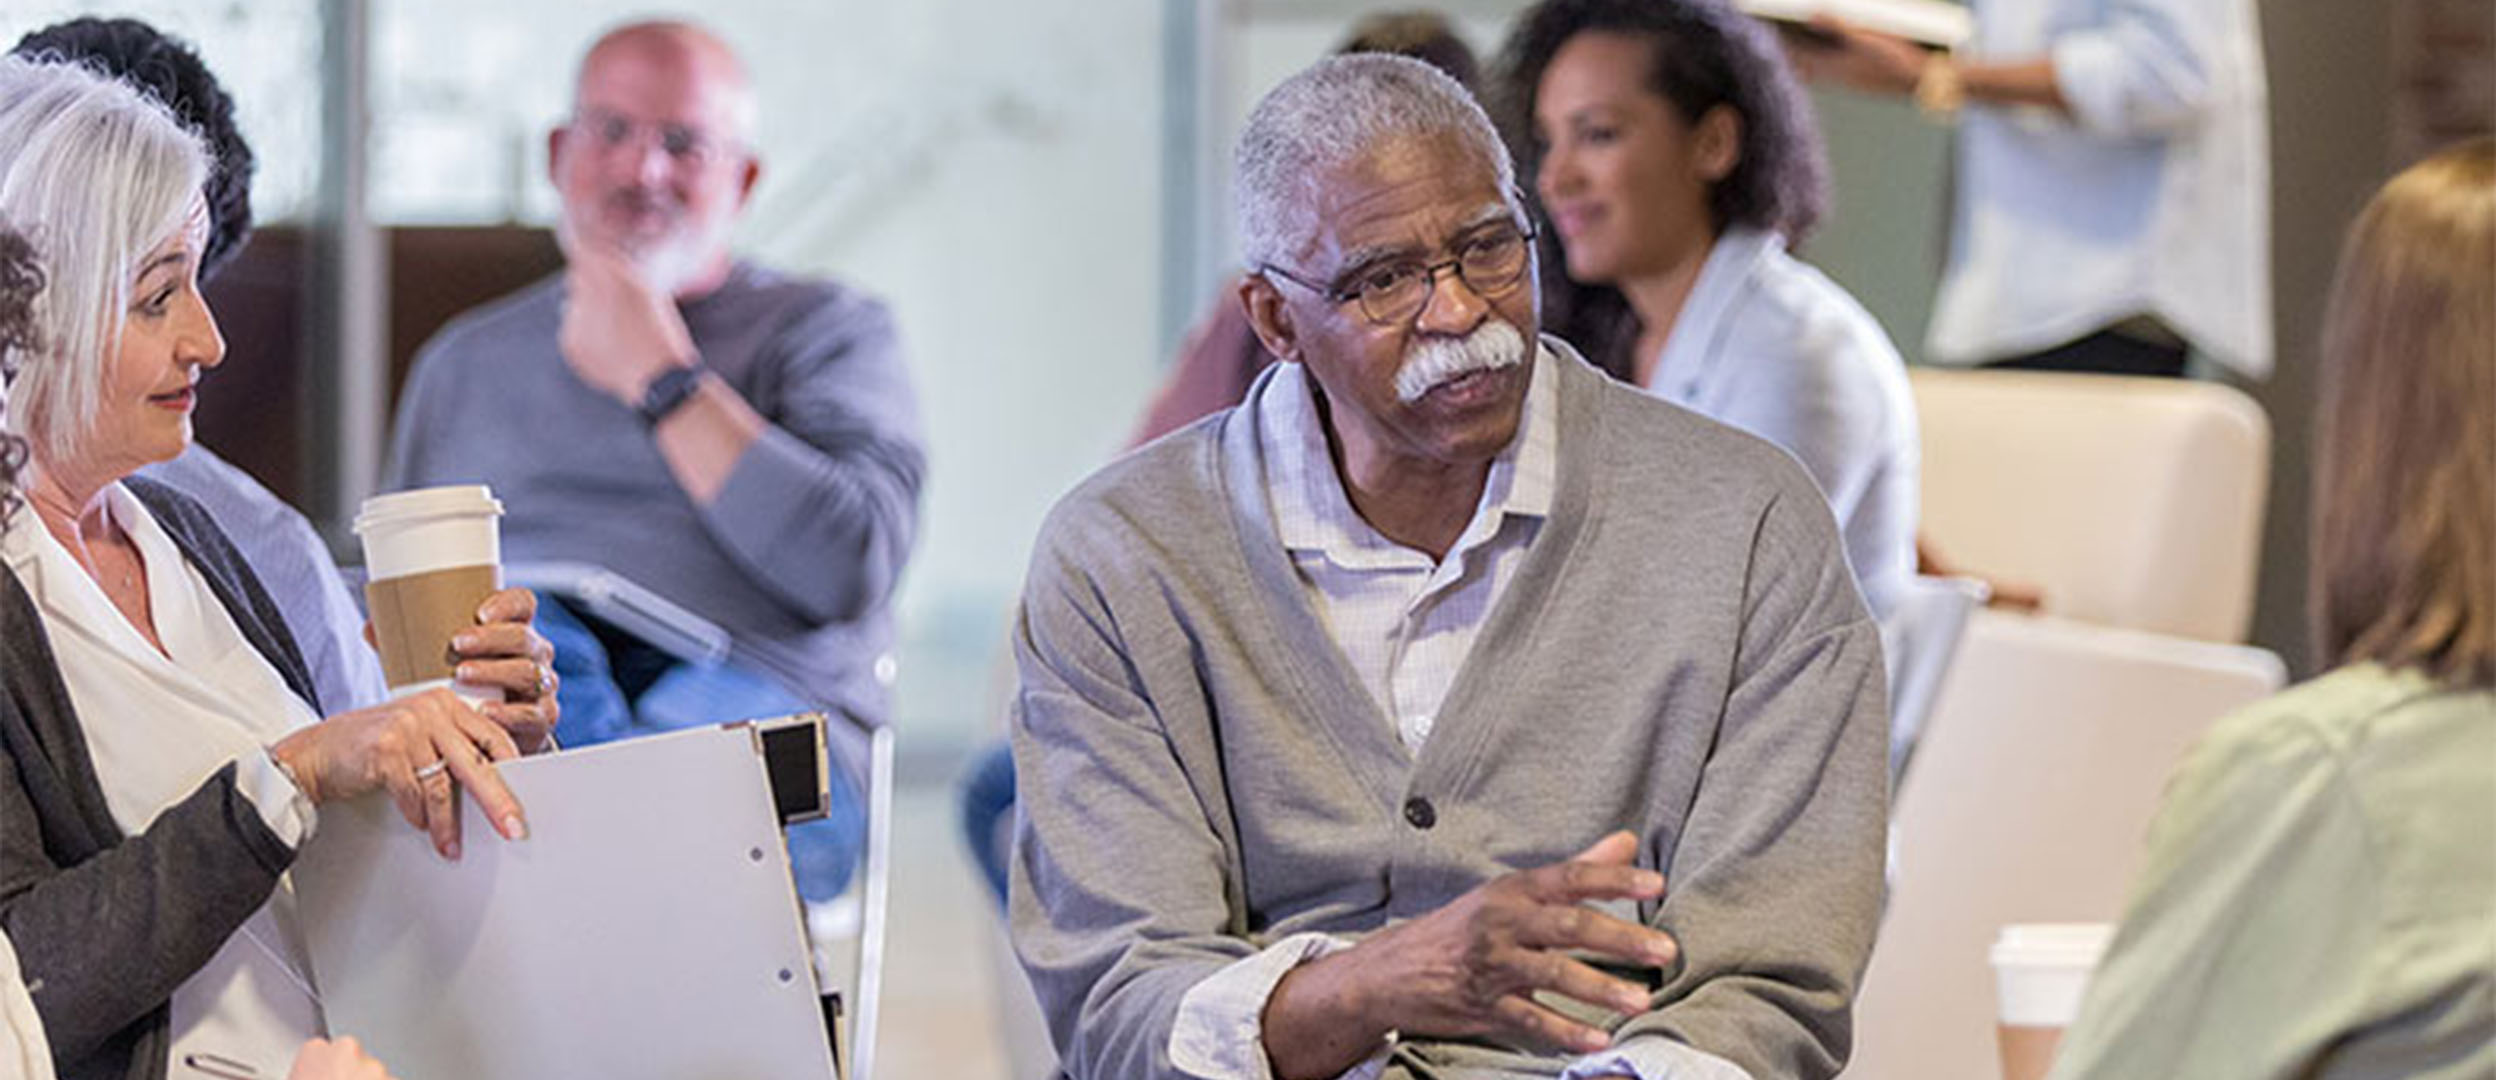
[[1038, 188]]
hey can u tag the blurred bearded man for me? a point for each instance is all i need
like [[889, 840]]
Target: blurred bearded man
[[1361, 726], [741, 441]]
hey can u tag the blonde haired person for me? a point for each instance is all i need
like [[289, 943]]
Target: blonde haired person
[[162, 753], [2320, 894]]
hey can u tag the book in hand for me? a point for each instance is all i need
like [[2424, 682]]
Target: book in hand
[[1935, 23]]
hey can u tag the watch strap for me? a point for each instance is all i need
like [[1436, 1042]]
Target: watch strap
[[668, 392]]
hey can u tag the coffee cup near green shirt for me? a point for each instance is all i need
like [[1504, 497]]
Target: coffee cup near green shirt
[[2040, 971]]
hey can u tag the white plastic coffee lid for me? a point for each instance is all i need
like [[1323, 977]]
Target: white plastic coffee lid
[[429, 529], [401, 507], [2041, 970], [2052, 943]]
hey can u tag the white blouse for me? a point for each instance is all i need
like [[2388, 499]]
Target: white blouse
[[157, 726], [1770, 345], [2151, 198], [24, 1055]]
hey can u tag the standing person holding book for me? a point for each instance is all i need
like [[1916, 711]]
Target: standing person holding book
[[2111, 206]]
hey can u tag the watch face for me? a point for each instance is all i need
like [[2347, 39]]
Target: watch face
[[667, 392]]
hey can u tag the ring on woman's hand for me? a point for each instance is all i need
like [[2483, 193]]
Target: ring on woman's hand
[[545, 679], [433, 770]]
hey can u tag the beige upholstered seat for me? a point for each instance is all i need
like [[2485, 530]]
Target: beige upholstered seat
[[2133, 502], [2028, 800]]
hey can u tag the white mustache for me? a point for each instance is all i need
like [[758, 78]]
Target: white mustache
[[1432, 361]]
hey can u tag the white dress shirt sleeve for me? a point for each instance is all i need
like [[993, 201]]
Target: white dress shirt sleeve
[[24, 1052], [1219, 1033], [1654, 1058], [282, 805], [2146, 70]]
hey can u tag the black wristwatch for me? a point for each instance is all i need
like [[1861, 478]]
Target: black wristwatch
[[668, 392]]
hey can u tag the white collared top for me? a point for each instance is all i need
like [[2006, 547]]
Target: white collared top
[[2152, 198], [157, 725], [24, 1053], [1770, 345], [1404, 620]]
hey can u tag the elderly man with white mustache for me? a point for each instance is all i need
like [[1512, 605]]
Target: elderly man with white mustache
[[1362, 726]]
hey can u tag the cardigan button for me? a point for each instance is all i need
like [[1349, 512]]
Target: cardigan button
[[1419, 811]]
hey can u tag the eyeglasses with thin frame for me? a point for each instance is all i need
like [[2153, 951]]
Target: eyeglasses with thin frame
[[682, 143], [1489, 262]]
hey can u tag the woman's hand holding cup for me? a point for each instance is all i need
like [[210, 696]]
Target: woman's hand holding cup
[[504, 652], [422, 748]]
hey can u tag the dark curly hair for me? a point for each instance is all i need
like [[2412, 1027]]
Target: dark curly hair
[[167, 69], [1704, 54], [1426, 36], [21, 278]]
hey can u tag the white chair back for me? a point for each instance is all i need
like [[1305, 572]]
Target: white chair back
[[2133, 502], [2031, 793]]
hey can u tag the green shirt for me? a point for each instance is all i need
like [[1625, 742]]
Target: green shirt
[[2319, 898]]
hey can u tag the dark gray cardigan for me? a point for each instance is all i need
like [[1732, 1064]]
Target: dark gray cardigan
[[107, 925]]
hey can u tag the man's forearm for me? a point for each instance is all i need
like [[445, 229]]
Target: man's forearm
[[818, 506], [705, 437], [1317, 1021]]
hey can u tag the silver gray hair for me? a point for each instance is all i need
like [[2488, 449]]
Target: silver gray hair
[[1327, 117], [97, 174]]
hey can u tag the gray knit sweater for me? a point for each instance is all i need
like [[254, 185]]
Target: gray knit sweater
[[1683, 653]]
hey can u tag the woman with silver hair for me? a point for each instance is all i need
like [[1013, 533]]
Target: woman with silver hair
[[162, 753]]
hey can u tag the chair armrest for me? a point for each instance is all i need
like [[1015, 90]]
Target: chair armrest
[[618, 600]]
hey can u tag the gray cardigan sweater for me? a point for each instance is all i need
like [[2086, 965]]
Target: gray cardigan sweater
[[106, 926], [1682, 653]]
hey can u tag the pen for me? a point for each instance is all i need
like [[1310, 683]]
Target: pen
[[219, 1066]]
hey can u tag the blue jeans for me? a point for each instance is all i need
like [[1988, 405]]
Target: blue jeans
[[987, 807], [615, 686]]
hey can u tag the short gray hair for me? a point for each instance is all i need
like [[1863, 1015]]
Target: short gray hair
[[1325, 118], [97, 174]]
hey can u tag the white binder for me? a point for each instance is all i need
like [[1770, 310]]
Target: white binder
[[645, 930]]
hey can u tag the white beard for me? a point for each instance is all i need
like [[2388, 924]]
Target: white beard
[[665, 262], [667, 267], [1432, 361], [668, 262]]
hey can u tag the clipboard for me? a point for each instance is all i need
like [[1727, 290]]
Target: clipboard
[[647, 928]]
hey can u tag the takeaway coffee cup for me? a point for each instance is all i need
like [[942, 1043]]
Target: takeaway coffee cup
[[2039, 973], [431, 557]]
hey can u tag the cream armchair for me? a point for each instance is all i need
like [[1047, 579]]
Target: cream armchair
[[2032, 790], [2132, 502]]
